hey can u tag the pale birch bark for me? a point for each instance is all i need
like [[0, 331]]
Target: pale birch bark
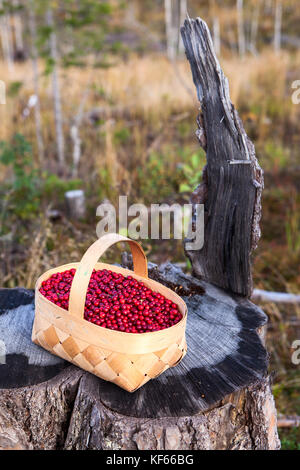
[[5, 32], [18, 27], [75, 135], [215, 26], [240, 25], [216, 35], [254, 28], [277, 25], [170, 36], [35, 73], [56, 92], [268, 5], [182, 16]]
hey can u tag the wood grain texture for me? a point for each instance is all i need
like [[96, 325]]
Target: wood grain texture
[[225, 352], [232, 180], [184, 408]]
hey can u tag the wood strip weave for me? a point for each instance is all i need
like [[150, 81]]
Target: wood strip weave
[[129, 360]]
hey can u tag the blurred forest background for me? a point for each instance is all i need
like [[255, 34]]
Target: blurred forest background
[[99, 97]]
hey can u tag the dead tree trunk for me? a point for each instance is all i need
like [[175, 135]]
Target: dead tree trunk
[[232, 180]]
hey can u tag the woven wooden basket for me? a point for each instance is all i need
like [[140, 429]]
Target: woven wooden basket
[[127, 359]]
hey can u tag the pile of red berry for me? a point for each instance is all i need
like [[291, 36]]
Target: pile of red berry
[[116, 302]]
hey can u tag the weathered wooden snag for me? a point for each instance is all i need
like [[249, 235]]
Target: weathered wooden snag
[[232, 179], [219, 396]]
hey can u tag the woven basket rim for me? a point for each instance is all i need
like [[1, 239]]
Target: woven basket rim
[[98, 327]]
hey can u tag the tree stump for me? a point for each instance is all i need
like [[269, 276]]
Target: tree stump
[[218, 397]]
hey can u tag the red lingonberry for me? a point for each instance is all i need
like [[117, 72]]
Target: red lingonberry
[[116, 302]]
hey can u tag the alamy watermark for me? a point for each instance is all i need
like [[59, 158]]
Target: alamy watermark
[[296, 93], [296, 354], [159, 221]]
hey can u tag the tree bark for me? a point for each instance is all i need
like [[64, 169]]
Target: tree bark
[[254, 28], [182, 16], [56, 93], [218, 397], [170, 37], [277, 25], [18, 30], [216, 35], [5, 32], [232, 179], [240, 25], [35, 71]]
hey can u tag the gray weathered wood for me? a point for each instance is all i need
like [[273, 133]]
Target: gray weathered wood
[[225, 352], [175, 410], [232, 179]]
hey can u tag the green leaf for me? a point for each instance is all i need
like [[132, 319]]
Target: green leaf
[[183, 188], [195, 159]]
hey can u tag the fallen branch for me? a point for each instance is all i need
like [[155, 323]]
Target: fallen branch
[[288, 422], [260, 295]]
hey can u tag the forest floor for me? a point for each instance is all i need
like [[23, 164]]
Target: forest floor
[[138, 140]]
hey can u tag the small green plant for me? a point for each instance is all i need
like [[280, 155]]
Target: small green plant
[[293, 233], [290, 439], [14, 89], [23, 189], [275, 155], [156, 179], [121, 136], [54, 187], [192, 173], [26, 189]]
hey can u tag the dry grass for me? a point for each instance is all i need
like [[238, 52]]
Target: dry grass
[[149, 86]]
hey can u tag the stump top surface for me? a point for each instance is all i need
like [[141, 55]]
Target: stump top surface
[[225, 352]]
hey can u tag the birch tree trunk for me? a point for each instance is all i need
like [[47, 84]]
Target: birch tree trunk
[[75, 135], [254, 29], [35, 72], [18, 29], [216, 35], [170, 37], [240, 25], [56, 93], [182, 16], [277, 25], [5, 32], [215, 26]]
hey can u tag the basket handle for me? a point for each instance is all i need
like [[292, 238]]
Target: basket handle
[[85, 268]]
